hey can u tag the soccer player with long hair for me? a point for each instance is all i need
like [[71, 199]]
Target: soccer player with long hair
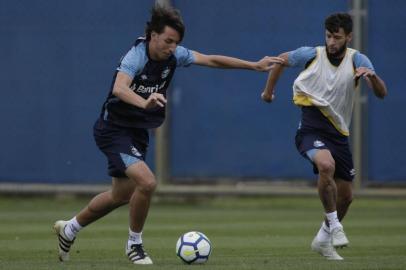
[[135, 104]]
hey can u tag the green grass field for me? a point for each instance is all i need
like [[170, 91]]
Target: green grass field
[[246, 233]]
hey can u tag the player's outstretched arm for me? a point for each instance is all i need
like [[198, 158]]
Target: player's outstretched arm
[[221, 61], [273, 77], [373, 80], [122, 90]]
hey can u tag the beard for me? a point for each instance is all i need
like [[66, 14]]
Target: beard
[[338, 53]]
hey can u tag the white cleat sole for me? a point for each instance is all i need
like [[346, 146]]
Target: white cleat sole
[[144, 261]]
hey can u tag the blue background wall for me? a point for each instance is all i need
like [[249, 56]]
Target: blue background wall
[[58, 57], [57, 61], [386, 123]]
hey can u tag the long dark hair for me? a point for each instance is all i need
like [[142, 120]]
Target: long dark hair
[[162, 16]]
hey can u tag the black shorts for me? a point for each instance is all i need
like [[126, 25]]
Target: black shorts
[[122, 146], [338, 147]]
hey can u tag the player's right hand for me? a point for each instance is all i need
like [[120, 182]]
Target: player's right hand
[[364, 72], [155, 100], [267, 97]]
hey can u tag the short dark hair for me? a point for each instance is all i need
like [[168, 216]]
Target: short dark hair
[[162, 16], [334, 22]]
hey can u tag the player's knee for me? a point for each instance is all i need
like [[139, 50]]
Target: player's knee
[[148, 186], [326, 167]]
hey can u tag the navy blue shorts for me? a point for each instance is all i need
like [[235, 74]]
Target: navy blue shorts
[[338, 147], [122, 146]]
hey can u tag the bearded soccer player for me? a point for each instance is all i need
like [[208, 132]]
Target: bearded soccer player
[[135, 104], [324, 91]]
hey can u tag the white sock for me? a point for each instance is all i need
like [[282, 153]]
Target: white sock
[[72, 228], [333, 220], [134, 238], [324, 233]]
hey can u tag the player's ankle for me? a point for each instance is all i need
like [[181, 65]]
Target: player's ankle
[[72, 228], [134, 238], [333, 221]]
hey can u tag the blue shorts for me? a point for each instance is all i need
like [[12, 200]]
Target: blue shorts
[[338, 147], [122, 146]]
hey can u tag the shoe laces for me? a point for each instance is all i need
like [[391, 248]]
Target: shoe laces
[[139, 249]]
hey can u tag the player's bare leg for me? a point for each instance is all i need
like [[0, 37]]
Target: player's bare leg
[[331, 233], [145, 185], [326, 185], [102, 204], [322, 243], [344, 197]]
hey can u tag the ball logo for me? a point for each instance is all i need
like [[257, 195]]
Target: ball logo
[[190, 252]]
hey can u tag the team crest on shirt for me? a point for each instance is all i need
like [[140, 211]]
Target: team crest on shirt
[[165, 73], [318, 143], [135, 152], [144, 77]]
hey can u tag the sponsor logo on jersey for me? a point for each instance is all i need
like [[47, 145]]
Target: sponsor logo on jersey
[[165, 73], [318, 143], [148, 89]]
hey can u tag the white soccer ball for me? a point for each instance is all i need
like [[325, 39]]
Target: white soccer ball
[[193, 247]]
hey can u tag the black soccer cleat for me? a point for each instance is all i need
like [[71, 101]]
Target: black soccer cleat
[[137, 255]]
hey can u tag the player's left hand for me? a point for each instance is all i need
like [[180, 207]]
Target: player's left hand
[[266, 63], [364, 72]]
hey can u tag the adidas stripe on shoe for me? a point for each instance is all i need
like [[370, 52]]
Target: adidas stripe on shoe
[[64, 244], [137, 255]]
